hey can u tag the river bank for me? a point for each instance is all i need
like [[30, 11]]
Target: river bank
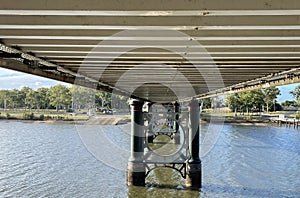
[[88, 120], [238, 122], [125, 119]]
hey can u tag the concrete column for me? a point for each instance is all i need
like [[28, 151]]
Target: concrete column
[[136, 168], [150, 127], [176, 124], [193, 178]]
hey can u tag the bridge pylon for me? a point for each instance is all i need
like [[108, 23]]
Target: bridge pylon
[[147, 153]]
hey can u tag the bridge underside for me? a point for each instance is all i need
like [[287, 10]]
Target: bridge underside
[[156, 50]]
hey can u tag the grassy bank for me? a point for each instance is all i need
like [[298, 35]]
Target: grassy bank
[[245, 118], [21, 114]]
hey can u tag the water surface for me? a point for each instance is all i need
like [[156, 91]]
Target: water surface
[[50, 160]]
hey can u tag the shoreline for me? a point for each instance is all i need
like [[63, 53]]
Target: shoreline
[[40, 121], [117, 120], [94, 120], [240, 122]]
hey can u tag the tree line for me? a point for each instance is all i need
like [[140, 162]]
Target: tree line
[[58, 97], [75, 97], [261, 100], [254, 100]]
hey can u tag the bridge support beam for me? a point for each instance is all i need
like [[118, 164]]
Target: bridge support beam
[[193, 167], [150, 135], [136, 173], [176, 124]]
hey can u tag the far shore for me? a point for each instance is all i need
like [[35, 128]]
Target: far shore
[[118, 120], [239, 122], [39, 121]]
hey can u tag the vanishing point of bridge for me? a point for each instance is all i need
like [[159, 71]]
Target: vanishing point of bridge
[[166, 52]]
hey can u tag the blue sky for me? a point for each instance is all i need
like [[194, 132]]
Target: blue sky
[[10, 79], [285, 92], [15, 80]]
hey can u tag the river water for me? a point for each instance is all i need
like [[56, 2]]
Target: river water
[[50, 160]]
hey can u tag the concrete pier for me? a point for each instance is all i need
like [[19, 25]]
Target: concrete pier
[[150, 135], [136, 168], [193, 167], [189, 166], [176, 124]]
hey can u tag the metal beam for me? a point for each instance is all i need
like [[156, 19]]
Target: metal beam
[[156, 21], [121, 13], [154, 5], [108, 33]]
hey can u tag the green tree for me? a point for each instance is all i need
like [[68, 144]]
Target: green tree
[[2, 98], [233, 102], [9, 98], [206, 103], [22, 96], [270, 96], [14, 101], [296, 94], [289, 103], [119, 102], [31, 99], [59, 96], [103, 99], [42, 100], [82, 97], [5, 99], [257, 99], [246, 101]]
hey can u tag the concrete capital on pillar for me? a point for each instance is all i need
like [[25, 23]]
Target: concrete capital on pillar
[[150, 104], [136, 105]]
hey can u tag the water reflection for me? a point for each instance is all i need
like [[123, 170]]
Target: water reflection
[[49, 160], [161, 191], [237, 191]]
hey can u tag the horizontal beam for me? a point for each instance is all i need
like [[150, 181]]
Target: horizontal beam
[[127, 27], [53, 54], [153, 5], [106, 34], [73, 49], [151, 13], [177, 21], [167, 73], [156, 41], [118, 44], [192, 74], [149, 51], [38, 48], [183, 65], [223, 71], [257, 55], [236, 60]]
